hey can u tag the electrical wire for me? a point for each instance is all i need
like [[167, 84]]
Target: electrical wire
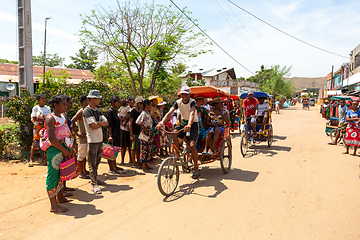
[[322, 49], [196, 25], [235, 28]]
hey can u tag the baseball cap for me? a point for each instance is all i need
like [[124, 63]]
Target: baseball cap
[[139, 99], [185, 89], [94, 94], [250, 92]]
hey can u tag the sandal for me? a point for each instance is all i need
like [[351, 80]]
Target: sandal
[[114, 172], [101, 182], [69, 189], [30, 164], [96, 190], [119, 168], [84, 176], [196, 174]]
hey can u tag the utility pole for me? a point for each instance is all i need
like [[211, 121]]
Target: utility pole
[[25, 46], [44, 80], [332, 77]]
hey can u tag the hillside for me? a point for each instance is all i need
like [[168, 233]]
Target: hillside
[[302, 82]]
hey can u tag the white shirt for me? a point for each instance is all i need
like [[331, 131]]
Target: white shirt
[[38, 111], [262, 107]]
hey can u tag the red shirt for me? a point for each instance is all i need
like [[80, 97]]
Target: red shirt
[[248, 105]]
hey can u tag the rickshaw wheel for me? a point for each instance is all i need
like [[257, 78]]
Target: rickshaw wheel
[[333, 135], [226, 156], [270, 137], [168, 176], [244, 143]]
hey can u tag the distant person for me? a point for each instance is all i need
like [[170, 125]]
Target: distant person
[[94, 120], [81, 137], [277, 106], [135, 131], [114, 132], [125, 143], [38, 115], [263, 113]]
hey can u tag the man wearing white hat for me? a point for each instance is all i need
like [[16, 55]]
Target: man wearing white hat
[[189, 122]]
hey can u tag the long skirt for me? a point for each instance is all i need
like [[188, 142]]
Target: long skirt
[[352, 136], [155, 139], [36, 136], [146, 148], [53, 183]]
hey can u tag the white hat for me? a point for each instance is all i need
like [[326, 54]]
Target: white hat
[[185, 89], [139, 99], [162, 103]]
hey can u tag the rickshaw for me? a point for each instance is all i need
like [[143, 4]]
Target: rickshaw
[[305, 103], [333, 122], [168, 173], [266, 135]]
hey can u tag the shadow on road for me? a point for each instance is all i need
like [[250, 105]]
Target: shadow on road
[[81, 210], [212, 177], [254, 150]]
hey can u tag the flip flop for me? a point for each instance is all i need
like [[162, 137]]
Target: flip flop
[[69, 189], [196, 174], [119, 168], [30, 164], [67, 194]]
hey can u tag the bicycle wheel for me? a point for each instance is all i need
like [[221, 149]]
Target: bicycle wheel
[[225, 156], [168, 176], [333, 136], [270, 137], [244, 143]]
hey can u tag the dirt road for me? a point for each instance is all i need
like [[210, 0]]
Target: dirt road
[[301, 188]]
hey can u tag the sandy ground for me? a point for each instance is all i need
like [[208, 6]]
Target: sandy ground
[[301, 188]]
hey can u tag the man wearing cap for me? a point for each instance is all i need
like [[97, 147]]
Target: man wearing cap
[[135, 130], [93, 121], [250, 106], [189, 122]]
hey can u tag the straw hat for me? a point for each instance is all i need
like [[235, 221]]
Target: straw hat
[[159, 99], [216, 100]]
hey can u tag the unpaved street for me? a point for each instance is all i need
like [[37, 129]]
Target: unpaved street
[[301, 188]]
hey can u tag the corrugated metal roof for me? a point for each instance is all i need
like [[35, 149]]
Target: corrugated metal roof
[[11, 72]]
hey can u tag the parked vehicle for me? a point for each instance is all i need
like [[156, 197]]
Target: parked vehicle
[[312, 102]]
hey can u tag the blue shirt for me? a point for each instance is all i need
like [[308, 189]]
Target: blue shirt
[[342, 113], [351, 114]]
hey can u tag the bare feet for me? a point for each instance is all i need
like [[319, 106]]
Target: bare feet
[[345, 152], [58, 208]]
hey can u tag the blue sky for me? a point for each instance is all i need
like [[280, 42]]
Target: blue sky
[[332, 25]]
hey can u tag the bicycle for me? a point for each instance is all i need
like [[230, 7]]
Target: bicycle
[[168, 173]]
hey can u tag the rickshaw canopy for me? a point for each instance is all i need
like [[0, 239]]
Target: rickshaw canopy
[[233, 97], [208, 92], [256, 95], [346, 98]]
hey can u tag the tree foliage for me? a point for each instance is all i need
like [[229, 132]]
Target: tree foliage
[[273, 81], [84, 59], [52, 60], [8, 61], [142, 38], [191, 82]]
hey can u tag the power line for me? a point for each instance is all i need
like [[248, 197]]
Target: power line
[[286, 32], [234, 26], [196, 25]]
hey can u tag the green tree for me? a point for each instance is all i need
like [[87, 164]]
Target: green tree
[[84, 59], [273, 81], [178, 68], [8, 61], [52, 60], [191, 82], [143, 38]]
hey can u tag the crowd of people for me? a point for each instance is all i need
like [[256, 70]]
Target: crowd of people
[[134, 125]]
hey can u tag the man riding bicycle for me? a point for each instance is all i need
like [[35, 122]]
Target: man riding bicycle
[[189, 122], [250, 106]]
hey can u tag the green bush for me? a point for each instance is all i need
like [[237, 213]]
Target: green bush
[[8, 137]]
